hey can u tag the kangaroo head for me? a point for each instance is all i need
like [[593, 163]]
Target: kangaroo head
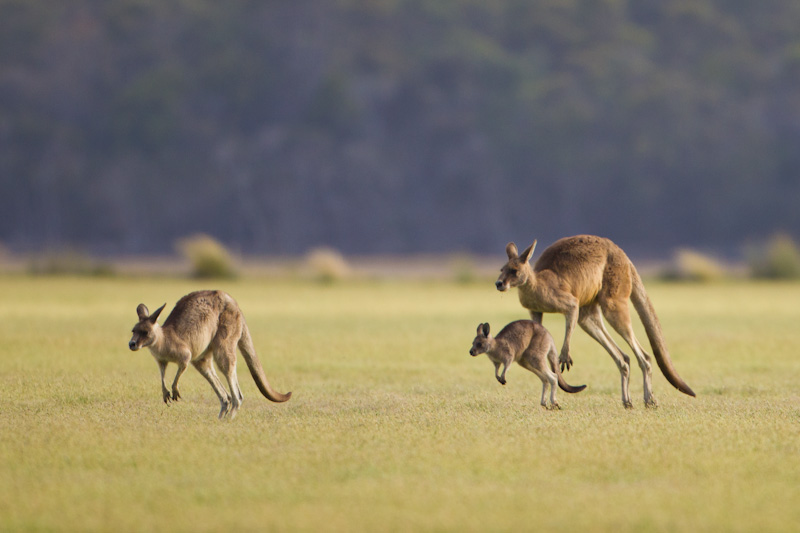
[[144, 332], [482, 342], [517, 270]]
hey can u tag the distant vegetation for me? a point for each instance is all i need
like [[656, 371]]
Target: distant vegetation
[[691, 265], [69, 262], [327, 265], [208, 257], [397, 125], [777, 259]]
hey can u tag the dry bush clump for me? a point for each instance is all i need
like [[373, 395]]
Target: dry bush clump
[[208, 257], [778, 258], [327, 265], [691, 265]]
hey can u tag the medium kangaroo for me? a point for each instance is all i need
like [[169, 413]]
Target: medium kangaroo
[[586, 278], [203, 324], [532, 347]]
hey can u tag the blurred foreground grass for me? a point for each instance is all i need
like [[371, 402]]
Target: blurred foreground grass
[[392, 425]]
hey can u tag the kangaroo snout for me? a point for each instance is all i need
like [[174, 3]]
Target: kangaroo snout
[[132, 346], [500, 285]]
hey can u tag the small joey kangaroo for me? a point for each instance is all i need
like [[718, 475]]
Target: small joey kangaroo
[[203, 324], [532, 347]]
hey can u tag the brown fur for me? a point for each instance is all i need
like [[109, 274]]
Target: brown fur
[[532, 347], [203, 325], [586, 278]]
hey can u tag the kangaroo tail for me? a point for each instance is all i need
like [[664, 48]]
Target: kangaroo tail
[[563, 385], [647, 314], [256, 370], [566, 387]]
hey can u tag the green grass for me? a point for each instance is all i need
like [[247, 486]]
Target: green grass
[[393, 426]]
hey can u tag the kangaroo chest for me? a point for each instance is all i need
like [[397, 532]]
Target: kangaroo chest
[[535, 300], [552, 298]]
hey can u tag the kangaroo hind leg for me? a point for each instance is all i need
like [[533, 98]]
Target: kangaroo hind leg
[[591, 321], [618, 315], [206, 369], [551, 378], [225, 357], [539, 366]]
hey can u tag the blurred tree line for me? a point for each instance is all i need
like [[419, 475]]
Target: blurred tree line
[[397, 125]]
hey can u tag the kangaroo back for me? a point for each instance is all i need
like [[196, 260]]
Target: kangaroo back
[[652, 326], [256, 370]]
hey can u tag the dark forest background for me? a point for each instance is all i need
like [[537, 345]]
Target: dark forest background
[[397, 126]]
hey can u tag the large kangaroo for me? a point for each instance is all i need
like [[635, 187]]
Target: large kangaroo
[[532, 347], [203, 324], [586, 278]]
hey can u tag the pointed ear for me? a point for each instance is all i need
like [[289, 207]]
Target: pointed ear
[[511, 250], [485, 329], [155, 314], [525, 256], [142, 312]]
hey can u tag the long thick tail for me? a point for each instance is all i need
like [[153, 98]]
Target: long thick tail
[[256, 370], [563, 385], [566, 387], [647, 314]]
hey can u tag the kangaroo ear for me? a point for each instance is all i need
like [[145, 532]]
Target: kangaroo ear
[[142, 312], [485, 329], [155, 314], [526, 255], [511, 250]]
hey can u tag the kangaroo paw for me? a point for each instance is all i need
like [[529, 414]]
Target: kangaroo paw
[[166, 396], [175, 395], [566, 361]]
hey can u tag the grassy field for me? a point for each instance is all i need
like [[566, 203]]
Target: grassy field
[[393, 426]]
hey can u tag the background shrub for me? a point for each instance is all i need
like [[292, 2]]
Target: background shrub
[[779, 258], [691, 265], [208, 257], [327, 265]]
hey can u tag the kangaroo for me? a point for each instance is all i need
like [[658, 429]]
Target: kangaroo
[[532, 347], [586, 278], [203, 324]]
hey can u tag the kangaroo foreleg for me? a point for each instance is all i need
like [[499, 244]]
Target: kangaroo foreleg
[[501, 377], [165, 394], [176, 395], [571, 318]]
